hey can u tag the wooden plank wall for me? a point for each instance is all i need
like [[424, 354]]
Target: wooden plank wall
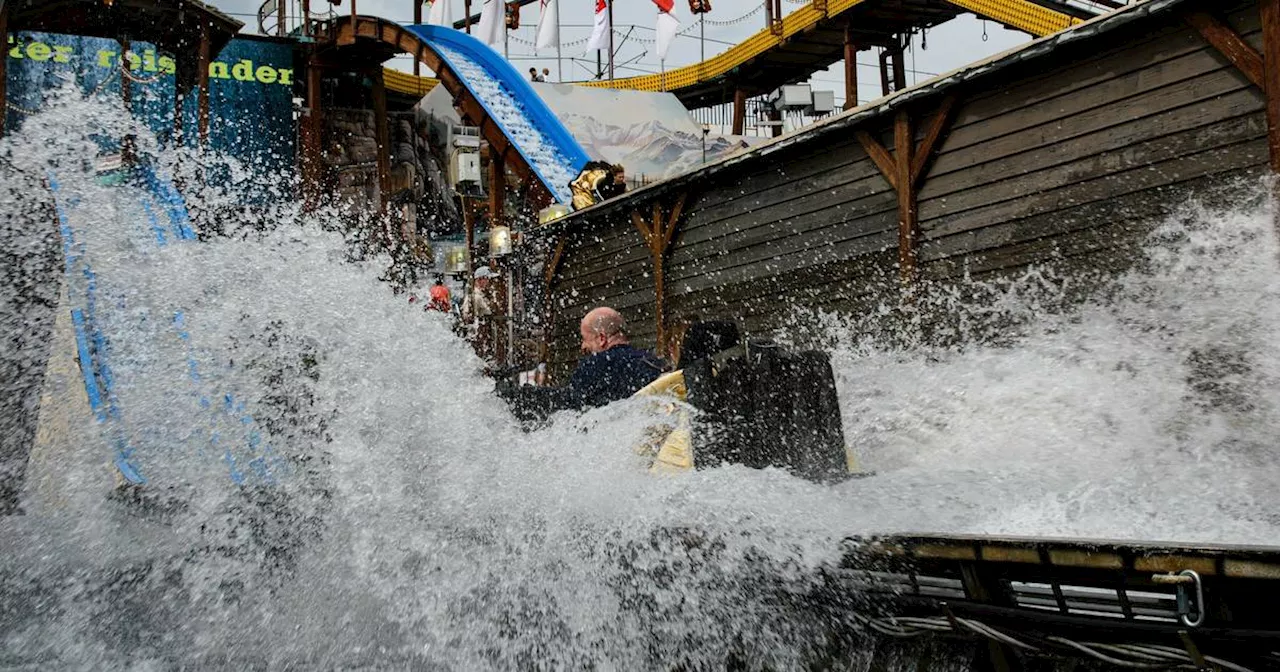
[[1070, 164], [1080, 161]]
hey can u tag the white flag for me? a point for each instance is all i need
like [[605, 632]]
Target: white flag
[[668, 25], [548, 25], [441, 14], [600, 33], [493, 23]]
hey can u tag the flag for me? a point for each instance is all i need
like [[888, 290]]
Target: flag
[[600, 33], [668, 25], [548, 34], [440, 14], [665, 5], [493, 23]]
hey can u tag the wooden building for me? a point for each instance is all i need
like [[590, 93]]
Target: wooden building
[[1067, 148]]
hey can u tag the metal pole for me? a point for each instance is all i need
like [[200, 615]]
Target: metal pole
[[610, 6], [702, 40], [559, 63]]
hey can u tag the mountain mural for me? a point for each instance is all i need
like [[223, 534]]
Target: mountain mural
[[649, 150]]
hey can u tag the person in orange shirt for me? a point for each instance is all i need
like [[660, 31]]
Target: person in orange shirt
[[439, 297]]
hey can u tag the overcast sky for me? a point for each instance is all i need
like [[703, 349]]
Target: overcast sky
[[947, 47]]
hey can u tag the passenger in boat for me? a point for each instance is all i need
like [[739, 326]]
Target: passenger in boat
[[611, 369]]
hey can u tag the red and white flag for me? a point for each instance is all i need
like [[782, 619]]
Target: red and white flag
[[668, 26], [600, 33], [493, 23], [548, 25], [440, 14]]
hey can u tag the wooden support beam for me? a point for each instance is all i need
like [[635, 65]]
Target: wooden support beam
[[885, 88], [879, 156], [313, 138], [553, 263], [850, 68], [739, 111], [658, 233], [417, 20], [306, 17], [1270, 12], [937, 127], [899, 67], [469, 227], [383, 132], [128, 153], [203, 58], [905, 170], [1229, 44], [903, 141], [497, 185]]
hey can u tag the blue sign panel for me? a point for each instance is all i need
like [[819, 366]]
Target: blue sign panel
[[250, 90]]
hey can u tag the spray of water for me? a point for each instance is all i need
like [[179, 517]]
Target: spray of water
[[390, 511]]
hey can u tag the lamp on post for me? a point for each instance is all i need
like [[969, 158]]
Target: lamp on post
[[499, 241]]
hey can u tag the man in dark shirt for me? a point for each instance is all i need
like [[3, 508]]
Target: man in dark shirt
[[610, 370]]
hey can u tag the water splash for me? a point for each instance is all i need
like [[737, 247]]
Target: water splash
[[409, 522]]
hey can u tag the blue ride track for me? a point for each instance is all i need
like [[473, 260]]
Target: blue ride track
[[511, 102], [93, 350]]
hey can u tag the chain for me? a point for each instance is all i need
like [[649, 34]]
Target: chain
[[759, 8], [20, 110]]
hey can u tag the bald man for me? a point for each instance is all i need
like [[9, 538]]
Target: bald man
[[610, 369]]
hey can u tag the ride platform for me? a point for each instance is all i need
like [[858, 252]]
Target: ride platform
[[1124, 603]]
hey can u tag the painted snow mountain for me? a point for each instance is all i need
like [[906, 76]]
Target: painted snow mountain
[[650, 150]]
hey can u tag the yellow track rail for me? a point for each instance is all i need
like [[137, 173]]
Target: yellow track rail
[[1018, 14]]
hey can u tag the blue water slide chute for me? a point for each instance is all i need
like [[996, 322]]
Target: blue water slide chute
[[511, 103]]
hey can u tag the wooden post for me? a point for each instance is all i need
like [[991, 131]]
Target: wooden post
[[177, 104], [127, 153], [775, 116], [497, 186], [203, 59], [903, 142], [313, 138], [469, 227], [381, 128], [417, 20], [884, 72], [353, 19], [905, 171], [467, 13], [306, 17], [1270, 12], [850, 69], [282, 12], [4, 65], [739, 111], [899, 67], [658, 233]]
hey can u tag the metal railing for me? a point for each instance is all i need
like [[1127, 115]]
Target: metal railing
[[286, 17]]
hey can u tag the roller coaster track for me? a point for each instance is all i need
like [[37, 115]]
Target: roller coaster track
[[810, 39]]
